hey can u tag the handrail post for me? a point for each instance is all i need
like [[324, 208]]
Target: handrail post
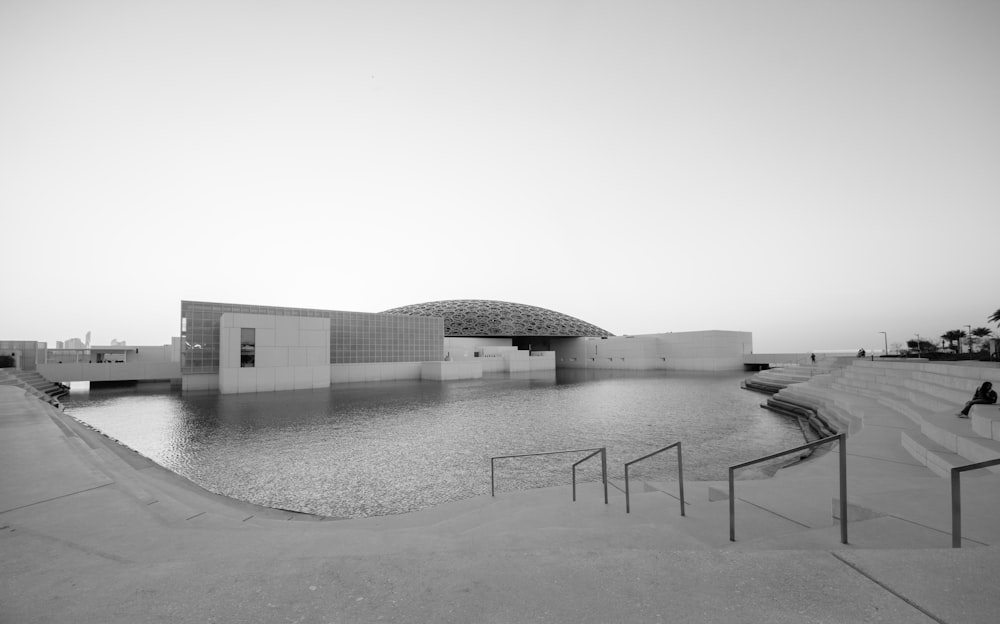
[[732, 507], [956, 508], [493, 491], [841, 437], [604, 471], [626, 490], [843, 488], [680, 476], [573, 470]]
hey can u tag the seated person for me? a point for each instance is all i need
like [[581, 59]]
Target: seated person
[[985, 395]]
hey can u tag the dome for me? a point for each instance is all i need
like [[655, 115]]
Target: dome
[[475, 317]]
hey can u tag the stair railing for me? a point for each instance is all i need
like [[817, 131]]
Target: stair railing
[[680, 473], [603, 452], [842, 437], [956, 497]]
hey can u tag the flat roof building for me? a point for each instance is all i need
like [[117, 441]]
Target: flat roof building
[[293, 344]]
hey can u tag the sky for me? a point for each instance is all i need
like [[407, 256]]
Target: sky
[[812, 172]]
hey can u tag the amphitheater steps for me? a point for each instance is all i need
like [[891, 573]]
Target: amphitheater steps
[[986, 420], [939, 459], [828, 404], [929, 396], [34, 383], [772, 380]]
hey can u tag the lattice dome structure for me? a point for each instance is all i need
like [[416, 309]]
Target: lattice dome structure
[[476, 317]]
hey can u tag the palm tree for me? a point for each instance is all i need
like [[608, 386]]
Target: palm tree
[[924, 346], [996, 317], [952, 336], [982, 332]]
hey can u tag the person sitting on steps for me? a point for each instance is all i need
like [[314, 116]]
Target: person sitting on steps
[[985, 395]]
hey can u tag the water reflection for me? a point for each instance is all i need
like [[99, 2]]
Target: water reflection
[[372, 449]]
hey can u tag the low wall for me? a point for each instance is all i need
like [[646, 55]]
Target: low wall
[[975, 371], [714, 350], [127, 371], [382, 371], [200, 383], [443, 371], [398, 371]]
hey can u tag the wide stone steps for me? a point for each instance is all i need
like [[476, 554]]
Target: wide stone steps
[[772, 380], [931, 454], [34, 383], [929, 395], [986, 420], [829, 404]]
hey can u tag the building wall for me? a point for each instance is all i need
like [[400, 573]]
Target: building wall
[[466, 348], [714, 350], [290, 353], [86, 370], [355, 337], [26, 352]]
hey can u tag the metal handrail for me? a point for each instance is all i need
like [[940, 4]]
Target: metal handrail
[[842, 437], [604, 471], [594, 451], [956, 498], [680, 473]]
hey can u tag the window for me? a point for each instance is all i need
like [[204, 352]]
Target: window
[[248, 344]]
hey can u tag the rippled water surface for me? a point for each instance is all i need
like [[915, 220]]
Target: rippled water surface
[[372, 449]]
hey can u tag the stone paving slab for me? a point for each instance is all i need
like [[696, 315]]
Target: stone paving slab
[[102, 555], [29, 437], [541, 585], [947, 583]]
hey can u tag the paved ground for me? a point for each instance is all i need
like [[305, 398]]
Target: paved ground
[[90, 532]]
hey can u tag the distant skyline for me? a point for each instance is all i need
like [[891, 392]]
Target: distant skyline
[[812, 172]]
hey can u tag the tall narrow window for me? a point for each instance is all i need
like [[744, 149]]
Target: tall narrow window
[[248, 344]]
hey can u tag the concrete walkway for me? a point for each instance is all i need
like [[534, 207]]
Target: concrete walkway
[[91, 532]]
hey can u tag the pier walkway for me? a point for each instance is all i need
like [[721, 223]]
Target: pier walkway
[[91, 532]]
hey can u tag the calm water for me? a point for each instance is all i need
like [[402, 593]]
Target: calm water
[[373, 449]]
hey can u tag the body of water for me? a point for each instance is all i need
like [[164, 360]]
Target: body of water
[[357, 450]]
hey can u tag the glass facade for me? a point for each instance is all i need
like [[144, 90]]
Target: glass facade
[[248, 346], [355, 337]]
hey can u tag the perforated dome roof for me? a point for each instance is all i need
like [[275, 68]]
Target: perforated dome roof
[[477, 317]]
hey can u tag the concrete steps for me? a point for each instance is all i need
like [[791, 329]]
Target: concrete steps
[[929, 395], [34, 383], [931, 454], [929, 505], [774, 379], [986, 420]]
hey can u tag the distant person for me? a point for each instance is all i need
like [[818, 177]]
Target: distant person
[[985, 395], [812, 356]]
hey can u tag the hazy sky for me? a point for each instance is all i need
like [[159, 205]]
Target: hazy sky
[[812, 172]]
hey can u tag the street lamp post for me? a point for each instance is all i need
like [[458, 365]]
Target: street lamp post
[[920, 351], [886, 338]]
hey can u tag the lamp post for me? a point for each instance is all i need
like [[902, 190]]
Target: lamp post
[[970, 338], [920, 352], [886, 338]]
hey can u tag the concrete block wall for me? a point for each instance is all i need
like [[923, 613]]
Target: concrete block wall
[[466, 348], [375, 371], [714, 350], [441, 371], [291, 353]]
